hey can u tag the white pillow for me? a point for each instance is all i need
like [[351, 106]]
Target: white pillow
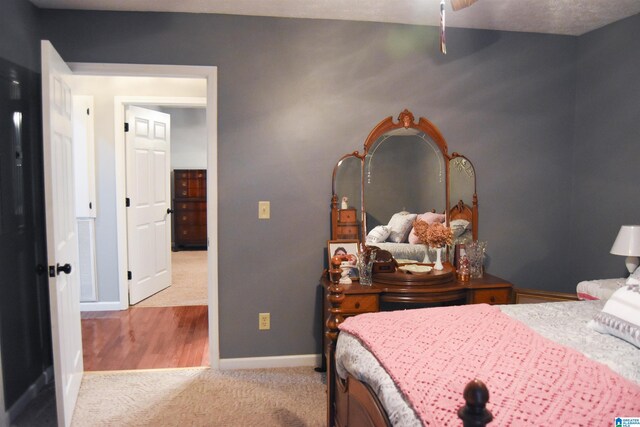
[[620, 316], [400, 226], [634, 278], [379, 234], [459, 226]]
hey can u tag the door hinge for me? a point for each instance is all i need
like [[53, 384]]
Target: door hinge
[[126, 127], [129, 275], [127, 202]]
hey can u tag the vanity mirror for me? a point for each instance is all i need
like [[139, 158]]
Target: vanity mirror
[[405, 170]]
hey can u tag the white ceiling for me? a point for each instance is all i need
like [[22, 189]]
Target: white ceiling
[[570, 17]]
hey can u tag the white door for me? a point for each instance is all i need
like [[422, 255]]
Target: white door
[[62, 241], [149, 194]]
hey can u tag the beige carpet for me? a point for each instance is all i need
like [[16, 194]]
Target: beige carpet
[[188, 282], [202, 397]]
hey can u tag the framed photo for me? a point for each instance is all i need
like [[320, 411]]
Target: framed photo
[[348, 248]]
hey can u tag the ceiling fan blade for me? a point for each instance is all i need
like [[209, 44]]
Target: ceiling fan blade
[[461, 4]]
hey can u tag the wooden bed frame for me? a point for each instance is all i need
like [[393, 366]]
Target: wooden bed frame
[[351, 402]]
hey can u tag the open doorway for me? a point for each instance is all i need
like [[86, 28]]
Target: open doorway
[[166, 325], [176, 319]]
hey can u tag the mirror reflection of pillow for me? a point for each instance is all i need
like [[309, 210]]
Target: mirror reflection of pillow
[[400, 225], [459, 226], [379, 234], [429, 218]]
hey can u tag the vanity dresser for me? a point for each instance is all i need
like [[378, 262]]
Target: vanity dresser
[[189, 209], [405, 166]]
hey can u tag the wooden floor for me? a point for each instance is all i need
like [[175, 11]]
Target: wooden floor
[[145, 338]]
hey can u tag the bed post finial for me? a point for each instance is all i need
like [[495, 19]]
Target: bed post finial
[[474, 413]]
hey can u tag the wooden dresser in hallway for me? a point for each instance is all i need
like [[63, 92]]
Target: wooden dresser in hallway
[[189, 208]]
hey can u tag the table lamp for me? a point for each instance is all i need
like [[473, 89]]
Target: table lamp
[[628, 244]]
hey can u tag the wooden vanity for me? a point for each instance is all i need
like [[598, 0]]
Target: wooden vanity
[[360, 299], [405, 169]]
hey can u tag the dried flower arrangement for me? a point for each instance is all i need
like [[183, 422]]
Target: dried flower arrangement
[[435, 235]]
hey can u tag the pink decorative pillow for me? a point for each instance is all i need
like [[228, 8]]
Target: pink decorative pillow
[[429, 218]]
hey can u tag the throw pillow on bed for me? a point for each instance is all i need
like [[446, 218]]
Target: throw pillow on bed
[[400, 225], [620, 316], [429, 218], [379, 234], [634, 278]]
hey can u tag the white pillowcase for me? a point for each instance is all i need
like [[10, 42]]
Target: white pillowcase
[[634, 278], [620, 316], [379, 234], [400, 226], [459, 226]]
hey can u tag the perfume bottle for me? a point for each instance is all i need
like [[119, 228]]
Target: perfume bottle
[[464, 271]]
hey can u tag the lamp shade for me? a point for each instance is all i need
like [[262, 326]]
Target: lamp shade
[[628, 241]]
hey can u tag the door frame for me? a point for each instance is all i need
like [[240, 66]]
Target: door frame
[[210, 74]]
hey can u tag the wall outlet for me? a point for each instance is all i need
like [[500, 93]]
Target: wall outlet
[[264, 210], [264, 321]]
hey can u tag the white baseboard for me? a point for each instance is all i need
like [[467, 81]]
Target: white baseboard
[[100, 306], [271, 362]]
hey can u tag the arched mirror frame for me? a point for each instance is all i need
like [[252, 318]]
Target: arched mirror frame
[[406, 120]]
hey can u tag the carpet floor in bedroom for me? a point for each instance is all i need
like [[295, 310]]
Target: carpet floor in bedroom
[[291, 397], [188, 282]]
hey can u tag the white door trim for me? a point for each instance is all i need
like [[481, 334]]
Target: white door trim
[[211, 103]]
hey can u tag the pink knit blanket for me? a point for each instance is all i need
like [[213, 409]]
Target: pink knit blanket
[[431, 354]]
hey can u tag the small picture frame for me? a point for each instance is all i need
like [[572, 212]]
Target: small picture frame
[[348, 248]]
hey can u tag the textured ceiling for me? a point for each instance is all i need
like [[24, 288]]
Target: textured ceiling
[[571, 17]]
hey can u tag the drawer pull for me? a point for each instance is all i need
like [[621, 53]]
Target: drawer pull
[[357, 305], [493, 298]]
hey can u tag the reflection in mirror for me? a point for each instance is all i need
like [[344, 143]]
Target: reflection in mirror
[[462, 188], [347, 182], [404, 170], [462, 180]]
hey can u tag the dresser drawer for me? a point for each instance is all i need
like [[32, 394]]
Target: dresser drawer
[[191, 217], [191, 233], [347, 232], [198, 174], [491, 296], [182, 206], [354, 304], [347, 215], [181, 175]]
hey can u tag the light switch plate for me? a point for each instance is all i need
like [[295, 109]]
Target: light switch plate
[[264, 210]]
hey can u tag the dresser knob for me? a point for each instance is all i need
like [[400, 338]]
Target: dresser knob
[[184, 218], [493, 298], [357, 305]]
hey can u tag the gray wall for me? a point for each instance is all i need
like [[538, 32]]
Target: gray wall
[[20, 42], [606, 191], [188, 137], [294, 95]]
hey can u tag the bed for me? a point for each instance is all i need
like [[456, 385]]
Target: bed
[[362, 391]]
